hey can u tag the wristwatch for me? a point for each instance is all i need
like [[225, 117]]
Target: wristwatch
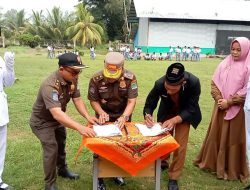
[[125, 117]]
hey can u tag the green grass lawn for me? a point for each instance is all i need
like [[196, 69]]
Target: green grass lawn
[[23, 168]]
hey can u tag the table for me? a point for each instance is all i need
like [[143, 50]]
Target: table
[[129, 155]]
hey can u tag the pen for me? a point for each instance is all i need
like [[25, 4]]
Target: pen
[[126, 130], [149, 116]]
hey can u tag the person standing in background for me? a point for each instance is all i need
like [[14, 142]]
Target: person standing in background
[[7, 78], [224, 148], [92, 53], [170, 51]]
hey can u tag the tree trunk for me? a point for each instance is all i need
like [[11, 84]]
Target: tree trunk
[[127, 30], [74, 46], [3, 40]]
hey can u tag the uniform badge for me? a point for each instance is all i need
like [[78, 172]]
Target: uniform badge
[[72, 87], [122, 83], [54, 95], [133, 85], [103, 89]]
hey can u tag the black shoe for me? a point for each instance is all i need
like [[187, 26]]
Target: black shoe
[[247, 188], [51, 187], [119, 181], [172, 184], [65, 173], [101, 185]]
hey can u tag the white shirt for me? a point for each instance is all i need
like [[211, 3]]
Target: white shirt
[[7, 78], [247, 122]]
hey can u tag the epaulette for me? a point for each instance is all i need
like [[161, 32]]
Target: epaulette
[[57, 84], [129, 75], [98, 76]]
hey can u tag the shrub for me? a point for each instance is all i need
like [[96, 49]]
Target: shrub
[[29, 40]]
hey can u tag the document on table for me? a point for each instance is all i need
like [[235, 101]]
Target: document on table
[[107, 130], [150, 131]]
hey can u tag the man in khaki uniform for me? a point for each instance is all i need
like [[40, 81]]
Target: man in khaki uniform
[[112, 94], [48, 119]]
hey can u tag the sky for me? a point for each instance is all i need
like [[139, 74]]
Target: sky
[[37, 5]]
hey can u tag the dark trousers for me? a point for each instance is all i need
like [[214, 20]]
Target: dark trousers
[[53, 140]]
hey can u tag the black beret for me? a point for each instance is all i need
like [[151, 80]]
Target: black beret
[[175, 74], [71, 60]]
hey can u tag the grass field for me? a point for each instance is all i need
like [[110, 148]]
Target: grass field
[[23, 168]]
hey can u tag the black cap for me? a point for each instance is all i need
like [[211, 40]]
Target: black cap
[[175, 74], [71, 60]]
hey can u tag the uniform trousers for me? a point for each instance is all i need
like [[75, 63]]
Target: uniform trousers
[[181, 134], [53, 140], [3, 142]]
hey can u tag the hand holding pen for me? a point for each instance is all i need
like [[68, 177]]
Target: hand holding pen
[[149, 120]]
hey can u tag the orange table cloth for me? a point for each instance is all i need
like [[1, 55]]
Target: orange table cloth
[[131, 152]]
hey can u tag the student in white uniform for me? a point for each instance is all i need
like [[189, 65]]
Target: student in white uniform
[[247, 126], [7, 78]]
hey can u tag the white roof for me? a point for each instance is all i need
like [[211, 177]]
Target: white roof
[[232, 10]]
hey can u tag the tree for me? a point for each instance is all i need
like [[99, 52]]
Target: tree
[[36, 25], [57, 23], [16, 22], [84, 28], [111, 13], [2, 28], [29, 39]]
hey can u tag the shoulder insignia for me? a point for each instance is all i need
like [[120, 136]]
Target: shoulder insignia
[[127, 74], [57, 84], [98, 76], [134, 85], [54, 95]]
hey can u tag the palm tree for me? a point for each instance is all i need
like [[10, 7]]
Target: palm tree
[[52, 27], [55, 24], [36, 25], [16, 22], [84, 29]]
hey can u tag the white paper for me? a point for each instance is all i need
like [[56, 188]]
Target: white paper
[[150, 131], [107, 130]]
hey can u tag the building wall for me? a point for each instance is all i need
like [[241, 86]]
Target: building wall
[[161, 35], [143, 32]]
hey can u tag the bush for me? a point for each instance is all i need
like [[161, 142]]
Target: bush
[[29, 40]]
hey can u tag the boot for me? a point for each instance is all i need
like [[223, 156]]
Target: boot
[[65, 173], [51, 187], [172, 184]]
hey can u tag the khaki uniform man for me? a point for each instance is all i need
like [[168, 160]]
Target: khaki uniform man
[[48, 119], [112, 94]]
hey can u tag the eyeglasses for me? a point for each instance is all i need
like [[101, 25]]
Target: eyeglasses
[[73, 72]]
